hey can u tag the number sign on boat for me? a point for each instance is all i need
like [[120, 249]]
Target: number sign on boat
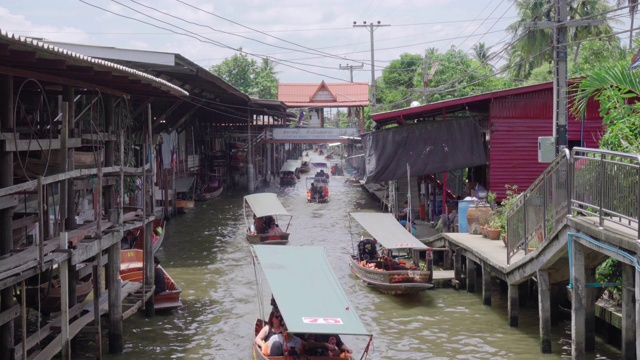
[[317, 320]]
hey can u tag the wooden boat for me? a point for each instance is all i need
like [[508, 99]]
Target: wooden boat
[[320, 192], [46, 296], [289, 172], [265, 206], [209, 193], [185, 194], [318, 307], [385, 270], [134, 238], [131, 263], [305, 165]]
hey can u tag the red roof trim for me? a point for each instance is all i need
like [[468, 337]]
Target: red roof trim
[[395, 115], [324, 86]]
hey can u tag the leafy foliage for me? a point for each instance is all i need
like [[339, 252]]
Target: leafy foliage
[[247, 76]]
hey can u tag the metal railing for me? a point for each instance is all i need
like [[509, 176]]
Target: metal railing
[[541, 209], [585, 182], [606, 184]]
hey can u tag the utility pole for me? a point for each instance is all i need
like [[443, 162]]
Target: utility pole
[[350, 68], [371, 27], [560, 83]]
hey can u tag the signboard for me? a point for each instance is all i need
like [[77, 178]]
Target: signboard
[[313, 133]]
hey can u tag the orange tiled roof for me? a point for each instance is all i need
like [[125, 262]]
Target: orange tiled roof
[[324, 94]]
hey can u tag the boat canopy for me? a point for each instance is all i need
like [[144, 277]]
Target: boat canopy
[[306, 159], [297, 163], [320, 165], [317, 179], [289, 166], [388, 231], [265, 204], [307, 291], [184, 184]]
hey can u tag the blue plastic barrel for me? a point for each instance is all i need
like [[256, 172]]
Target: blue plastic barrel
[[463, 208]]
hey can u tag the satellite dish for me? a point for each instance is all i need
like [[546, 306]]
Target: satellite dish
[[414, 104]]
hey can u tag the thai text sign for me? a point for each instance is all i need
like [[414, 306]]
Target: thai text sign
[[313, 133]]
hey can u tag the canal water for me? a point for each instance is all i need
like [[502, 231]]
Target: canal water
[[207, 254]]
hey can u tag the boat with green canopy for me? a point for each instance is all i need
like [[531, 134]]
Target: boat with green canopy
[[308, 295], [266, 211], [400, 266]]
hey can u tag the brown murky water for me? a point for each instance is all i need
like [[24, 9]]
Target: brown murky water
[[207, 254]]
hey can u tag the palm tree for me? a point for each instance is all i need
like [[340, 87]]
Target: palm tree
[[612, 85], [633, 8], [481, 53], [534, 46]]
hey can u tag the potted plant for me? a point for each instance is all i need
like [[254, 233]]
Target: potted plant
[[494, 230]]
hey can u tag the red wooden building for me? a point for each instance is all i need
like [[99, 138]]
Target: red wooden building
[[511, 121]]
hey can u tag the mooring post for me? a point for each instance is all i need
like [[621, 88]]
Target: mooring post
[[513, 305], [486, 285], [471, 275], [577, 301], [457, 265], [544, 311], [116, 345], [590, 311], [629, 330]]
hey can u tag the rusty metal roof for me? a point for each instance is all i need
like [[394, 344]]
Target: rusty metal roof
[[452, 105], [31, 55], [324, 94]]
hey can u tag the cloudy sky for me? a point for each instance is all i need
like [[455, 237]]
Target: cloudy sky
[[309, 40]]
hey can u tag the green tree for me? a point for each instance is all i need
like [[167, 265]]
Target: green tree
[[397, 79], [247, 76], [533, 47], [481, 53], [615, 87], [633, 8]]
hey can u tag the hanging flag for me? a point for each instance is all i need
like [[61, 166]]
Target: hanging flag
[[635, 60], [300, 117]]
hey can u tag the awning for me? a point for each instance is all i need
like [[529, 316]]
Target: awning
[[388, 231], [428, 147], [289, 166], [265, 204], [320, 165], [184, 184], [307, 291]]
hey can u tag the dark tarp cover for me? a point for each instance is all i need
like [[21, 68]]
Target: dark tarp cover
[[428, 147]]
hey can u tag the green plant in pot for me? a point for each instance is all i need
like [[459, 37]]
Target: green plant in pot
[[494, 230]]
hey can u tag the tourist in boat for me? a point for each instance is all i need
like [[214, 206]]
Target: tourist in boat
[[272, 327], [161, 285], [286, 341], [274, 229], [326, 345], [402, 215]]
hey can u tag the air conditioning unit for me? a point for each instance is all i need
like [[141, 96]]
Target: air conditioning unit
[[546, 149]]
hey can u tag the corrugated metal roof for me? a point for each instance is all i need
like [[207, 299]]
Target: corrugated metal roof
[[437, 108], [41, 46], [346, 94]]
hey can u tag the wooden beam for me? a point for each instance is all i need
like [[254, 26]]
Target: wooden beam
[[58, 79], [9, 314], [8, 201], [38, 145]]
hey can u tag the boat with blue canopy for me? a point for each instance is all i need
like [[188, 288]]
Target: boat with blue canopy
[[316, 304], [392, 260]]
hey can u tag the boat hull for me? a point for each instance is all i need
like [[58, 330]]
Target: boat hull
[[393, 282], [209, 195], [287, 181], [47, 296], [131, 263], [266, 239]]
